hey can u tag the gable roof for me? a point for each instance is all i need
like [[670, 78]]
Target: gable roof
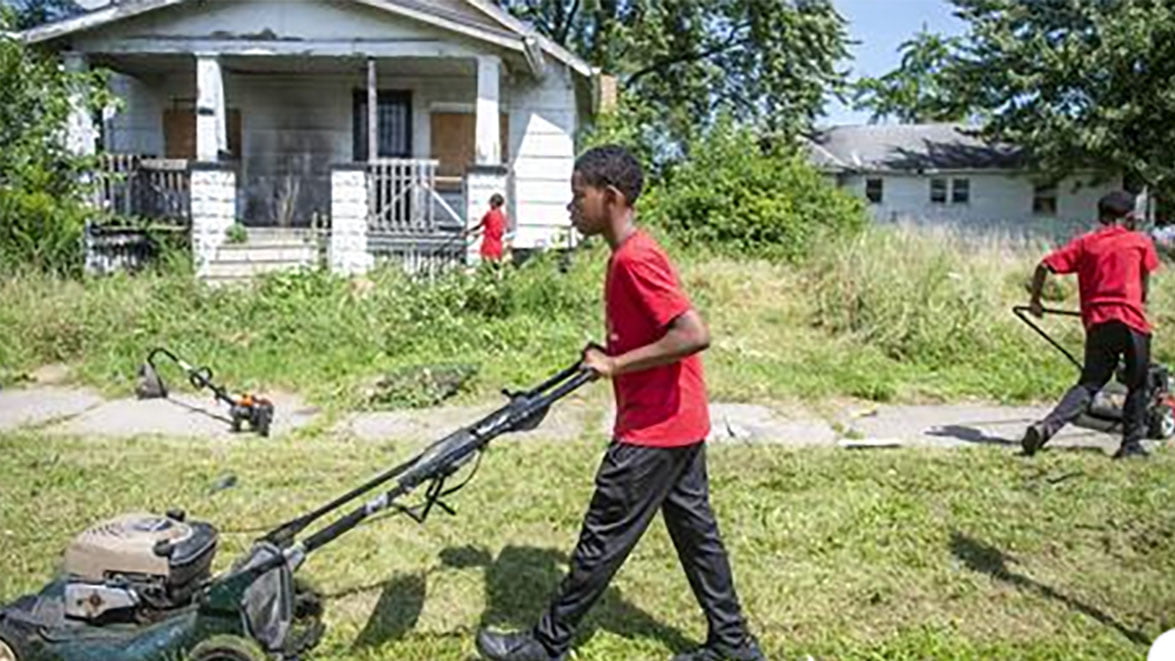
[[910, 148], [490, 23]]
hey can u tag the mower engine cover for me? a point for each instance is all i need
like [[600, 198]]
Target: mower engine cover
[[137, 561]]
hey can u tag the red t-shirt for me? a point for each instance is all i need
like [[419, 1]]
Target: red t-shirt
[[493, 227], [1109, 263], [662, 406]]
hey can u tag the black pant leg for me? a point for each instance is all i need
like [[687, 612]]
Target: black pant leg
[[1138, 358], [694, 531], [1102, 348], [631, 484]]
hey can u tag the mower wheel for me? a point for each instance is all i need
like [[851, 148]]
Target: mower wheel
[[227, 648], [7, 652], [1162, 423], [11, 648]]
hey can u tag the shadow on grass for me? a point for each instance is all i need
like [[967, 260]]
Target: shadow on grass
[[986, 559], [522, 579], [396, 612], [519, 584], [970, 435]]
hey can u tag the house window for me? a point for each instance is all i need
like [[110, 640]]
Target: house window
[[1044, 200], [960, 191], [874, 190], [938, 191], [394, 117]]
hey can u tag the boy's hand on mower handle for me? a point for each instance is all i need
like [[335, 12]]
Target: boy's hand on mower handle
[[599, 362], [1036, 308]]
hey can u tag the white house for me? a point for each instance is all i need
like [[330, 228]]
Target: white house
[[944, 174], [390, 121]]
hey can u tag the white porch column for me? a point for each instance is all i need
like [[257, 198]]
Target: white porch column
[[348, 252], [81, 136], [214, 205], [372, 111], [488, 140], [211, 132]]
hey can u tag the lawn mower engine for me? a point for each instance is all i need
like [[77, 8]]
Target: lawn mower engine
[[135, 567], [139, 587]]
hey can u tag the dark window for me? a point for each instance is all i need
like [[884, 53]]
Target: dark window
[[1044, 200], [960, 191], [874, 189], [394, 116], [938, 191]]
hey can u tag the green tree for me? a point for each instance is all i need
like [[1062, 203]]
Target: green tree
[[42, 208], [680, 63], [916, 91], [740, 195], [29, 13], [1077, 84]]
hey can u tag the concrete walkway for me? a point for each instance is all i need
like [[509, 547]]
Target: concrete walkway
[[78, 412]]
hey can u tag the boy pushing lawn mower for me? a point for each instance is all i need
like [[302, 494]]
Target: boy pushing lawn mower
[[657, 459], [1113, 264]]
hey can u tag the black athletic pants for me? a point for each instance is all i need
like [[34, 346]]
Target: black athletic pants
[[633, 482], [1104, 343]]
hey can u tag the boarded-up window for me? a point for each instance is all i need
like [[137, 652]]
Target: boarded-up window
[[393, 119], [179, 133], [453, 136]]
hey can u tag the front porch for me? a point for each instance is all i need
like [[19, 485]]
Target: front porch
[[378, 155]]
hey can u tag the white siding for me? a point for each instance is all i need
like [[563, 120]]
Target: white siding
[[998, 201], [542, 155]]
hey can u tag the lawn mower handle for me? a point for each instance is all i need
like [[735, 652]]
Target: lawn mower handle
[[1022, 312], [439, 460]]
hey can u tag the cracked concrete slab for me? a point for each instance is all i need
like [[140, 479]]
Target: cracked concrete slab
[[180, 415], [39, 406], [960, 425]]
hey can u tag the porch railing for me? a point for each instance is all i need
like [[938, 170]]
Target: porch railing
[[135, 185], [402, 198]]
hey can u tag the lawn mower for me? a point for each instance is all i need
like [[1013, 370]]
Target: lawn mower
[[140, 587], [1105, 411], [246, 408]]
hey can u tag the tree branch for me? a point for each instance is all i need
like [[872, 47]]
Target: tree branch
[[730, 41]]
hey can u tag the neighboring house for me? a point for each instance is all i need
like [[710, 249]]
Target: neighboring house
[[943, 174], [259, 111]]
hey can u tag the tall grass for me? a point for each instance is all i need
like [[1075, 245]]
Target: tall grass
[[892, 313]]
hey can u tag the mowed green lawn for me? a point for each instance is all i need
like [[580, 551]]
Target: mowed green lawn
[[875, 554]]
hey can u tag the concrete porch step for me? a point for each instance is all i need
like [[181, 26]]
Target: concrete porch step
[[268, 252], [282, 235], [221, 270]]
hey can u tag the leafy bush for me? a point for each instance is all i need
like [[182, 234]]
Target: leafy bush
[[733, 196], [42, 214]]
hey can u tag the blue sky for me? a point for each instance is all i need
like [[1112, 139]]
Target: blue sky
[[881, 26]]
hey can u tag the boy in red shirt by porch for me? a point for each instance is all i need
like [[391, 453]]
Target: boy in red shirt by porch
[[1113, 265], [492, 228], [657, 458]]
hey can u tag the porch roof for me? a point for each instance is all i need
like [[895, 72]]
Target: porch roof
[[499, 27]]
